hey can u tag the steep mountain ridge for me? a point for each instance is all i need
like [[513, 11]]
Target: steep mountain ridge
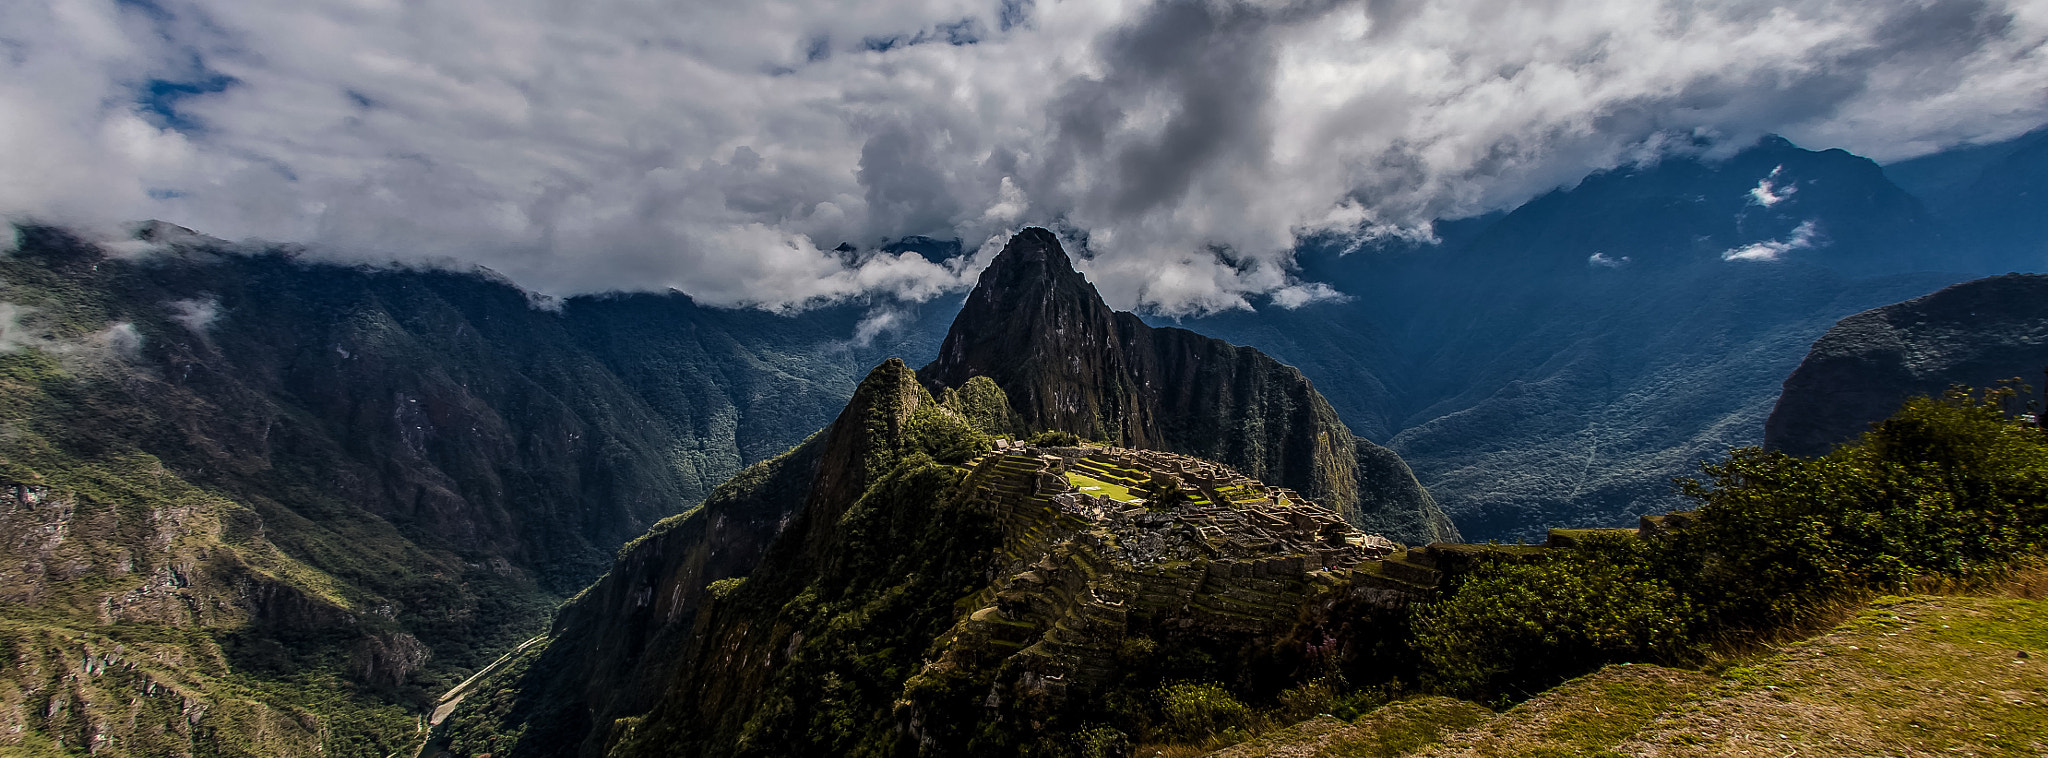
[[1037, 328], [384, 476], [660, 630]]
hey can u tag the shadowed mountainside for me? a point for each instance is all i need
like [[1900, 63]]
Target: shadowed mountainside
[[1993, 198]]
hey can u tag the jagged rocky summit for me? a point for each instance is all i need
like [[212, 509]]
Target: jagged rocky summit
[[1976, 334], [1035, 326]]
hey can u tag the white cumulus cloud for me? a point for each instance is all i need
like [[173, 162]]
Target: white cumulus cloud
[[196, 315], [1768, 192], [1803, 236]]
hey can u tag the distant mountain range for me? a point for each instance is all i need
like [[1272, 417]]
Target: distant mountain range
[[1558, 364]]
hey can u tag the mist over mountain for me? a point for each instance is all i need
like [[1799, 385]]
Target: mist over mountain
[[985, 377], [727, 151], [909, 581]]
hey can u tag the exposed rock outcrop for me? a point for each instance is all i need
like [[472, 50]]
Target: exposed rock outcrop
[[935, 596], [1975, 333]]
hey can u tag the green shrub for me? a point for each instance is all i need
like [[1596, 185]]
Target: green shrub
[[1054, 439], [1101, 742], [1514, 627], [984, 405], [1309, 698], [723, 588], [1946, 487], [1194, 711], [946, 437]]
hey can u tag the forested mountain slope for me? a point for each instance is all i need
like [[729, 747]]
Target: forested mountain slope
[[345, 488]]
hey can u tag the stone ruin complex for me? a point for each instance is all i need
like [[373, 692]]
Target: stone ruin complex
[[1193, 547], [1220, 514]]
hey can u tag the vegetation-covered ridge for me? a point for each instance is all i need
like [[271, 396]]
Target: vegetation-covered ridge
[[1948, 492], [970, 601], [145, 613]]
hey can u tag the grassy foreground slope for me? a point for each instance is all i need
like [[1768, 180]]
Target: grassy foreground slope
[[1908, 676], [1922, 675]]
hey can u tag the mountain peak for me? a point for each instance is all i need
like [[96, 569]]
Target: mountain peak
[[1032, 261], [1034, 248], [1035, 324], [1037, 329]]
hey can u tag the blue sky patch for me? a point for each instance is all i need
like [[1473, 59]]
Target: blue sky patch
[[160, 99]]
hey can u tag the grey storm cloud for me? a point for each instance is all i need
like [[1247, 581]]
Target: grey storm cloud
[[726, 149]]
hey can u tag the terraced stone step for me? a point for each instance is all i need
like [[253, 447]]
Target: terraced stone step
[[1407, 571], [1263, 613]]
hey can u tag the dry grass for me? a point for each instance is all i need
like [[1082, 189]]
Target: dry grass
[[1581, 717], [1394, 730], [1908, 677]]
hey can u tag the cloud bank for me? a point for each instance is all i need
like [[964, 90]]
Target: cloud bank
[[728, 149]]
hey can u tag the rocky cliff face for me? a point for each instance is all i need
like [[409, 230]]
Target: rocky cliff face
[[1041, 331], [622, 642], [1976, 334], [1038, 329]]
